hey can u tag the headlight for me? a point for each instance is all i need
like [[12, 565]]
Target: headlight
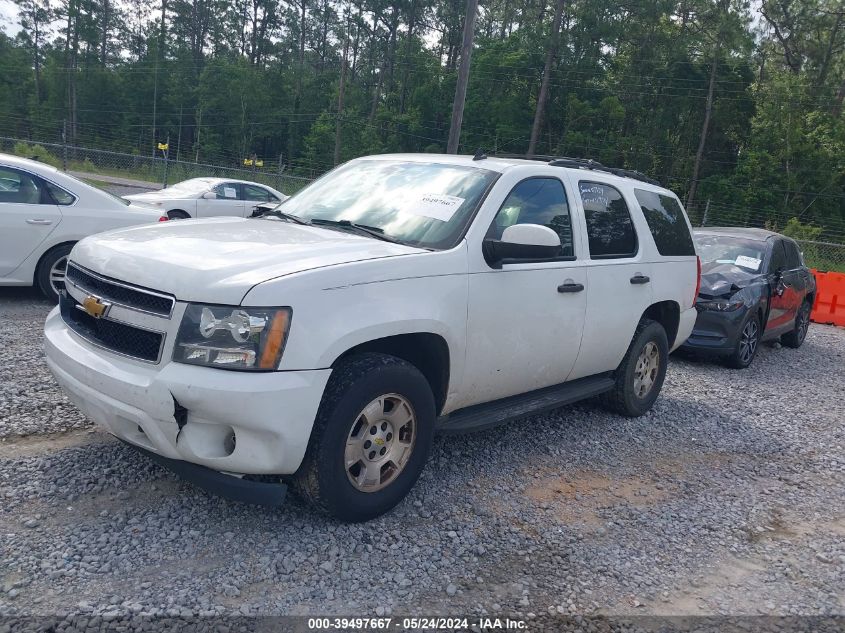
[[724, 305], [232, 337]]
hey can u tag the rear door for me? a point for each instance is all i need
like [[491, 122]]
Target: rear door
[[229, 201], [618, 275], [28, 214]]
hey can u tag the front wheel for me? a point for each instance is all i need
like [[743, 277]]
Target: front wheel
[[795, 337], [640, 375], [371, 438], [746, 344]]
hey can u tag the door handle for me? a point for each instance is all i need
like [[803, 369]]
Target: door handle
[[639, 279], [38, 221], [570, 287]]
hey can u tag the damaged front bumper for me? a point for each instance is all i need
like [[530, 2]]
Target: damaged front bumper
[[242, 489], [226, 421], [715, 332]]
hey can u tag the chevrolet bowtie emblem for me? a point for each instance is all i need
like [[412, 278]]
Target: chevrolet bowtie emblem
[[95, 306]]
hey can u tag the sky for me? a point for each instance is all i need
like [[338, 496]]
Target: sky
[[9, 17]]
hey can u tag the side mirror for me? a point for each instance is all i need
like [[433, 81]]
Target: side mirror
[[522, 242], [209, 195]]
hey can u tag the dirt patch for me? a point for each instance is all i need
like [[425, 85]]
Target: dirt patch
[[27, 446], [578, 497]]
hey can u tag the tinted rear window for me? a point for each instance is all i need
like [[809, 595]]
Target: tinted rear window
[[609, 225], [793, 259], [667, 223]]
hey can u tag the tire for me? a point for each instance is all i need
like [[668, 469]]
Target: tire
[[387, 386], [633, 394], [747, 343], [47, 276], [795, 337], [178, 214]]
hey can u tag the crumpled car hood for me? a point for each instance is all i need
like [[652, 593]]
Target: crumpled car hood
[[725, 280]]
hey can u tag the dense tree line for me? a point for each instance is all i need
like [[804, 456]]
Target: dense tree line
[[737, 110]]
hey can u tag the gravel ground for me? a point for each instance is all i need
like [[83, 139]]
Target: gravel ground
[[727, 498]]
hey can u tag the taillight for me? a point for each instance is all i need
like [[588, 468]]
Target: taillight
[[697, 279], [163, 218]]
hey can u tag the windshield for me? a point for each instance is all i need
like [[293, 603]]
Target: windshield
[[192, 186], [723, 250], [423, 204]]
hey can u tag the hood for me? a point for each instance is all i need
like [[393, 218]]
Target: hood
[[219, 259], [725, 280]]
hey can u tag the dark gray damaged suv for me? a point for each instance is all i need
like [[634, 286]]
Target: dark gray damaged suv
[[754, 287]]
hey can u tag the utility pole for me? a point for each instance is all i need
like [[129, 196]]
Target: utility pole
[[463, 79]]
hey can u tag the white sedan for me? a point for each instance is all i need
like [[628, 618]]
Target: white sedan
[[209, 197], [43, 213]]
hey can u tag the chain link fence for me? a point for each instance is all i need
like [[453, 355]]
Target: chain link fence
[[823, 256], [144, 172], [823, 250]]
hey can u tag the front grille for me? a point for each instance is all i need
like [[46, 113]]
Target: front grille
[[116, 292], [112, 335]]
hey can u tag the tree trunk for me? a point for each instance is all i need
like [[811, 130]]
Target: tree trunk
[[340, 92], [407, 61], [105, 33], [544, 84], [463, 79], [708, 110]]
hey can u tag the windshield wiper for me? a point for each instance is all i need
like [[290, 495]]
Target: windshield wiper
[[276, 212], [361, 228]]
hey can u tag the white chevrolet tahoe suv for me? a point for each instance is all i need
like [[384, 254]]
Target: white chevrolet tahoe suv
[[323, 344]]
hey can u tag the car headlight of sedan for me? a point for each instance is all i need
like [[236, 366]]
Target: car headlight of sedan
[[232, 337], [721, 305]]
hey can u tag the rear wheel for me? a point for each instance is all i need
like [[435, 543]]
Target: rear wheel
[[178, 214], [370, 440], [795, 338], [640, 375], [746, 344], [50, 276]]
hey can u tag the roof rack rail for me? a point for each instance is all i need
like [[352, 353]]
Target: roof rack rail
[[581, 163], [584, 163]]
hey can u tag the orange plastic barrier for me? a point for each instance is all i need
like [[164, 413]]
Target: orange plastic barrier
[[829, 306]]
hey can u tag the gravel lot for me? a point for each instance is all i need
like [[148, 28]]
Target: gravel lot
[[728, 498]]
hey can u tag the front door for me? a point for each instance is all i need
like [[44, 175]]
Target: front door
[[27, 216], [525, 320]]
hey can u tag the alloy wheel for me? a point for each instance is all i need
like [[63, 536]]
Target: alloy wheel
[[645, 371], [380, 442], [803, 322], [57, 275], [748, 341]]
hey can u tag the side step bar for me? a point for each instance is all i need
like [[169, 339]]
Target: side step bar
[[490, 414]]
